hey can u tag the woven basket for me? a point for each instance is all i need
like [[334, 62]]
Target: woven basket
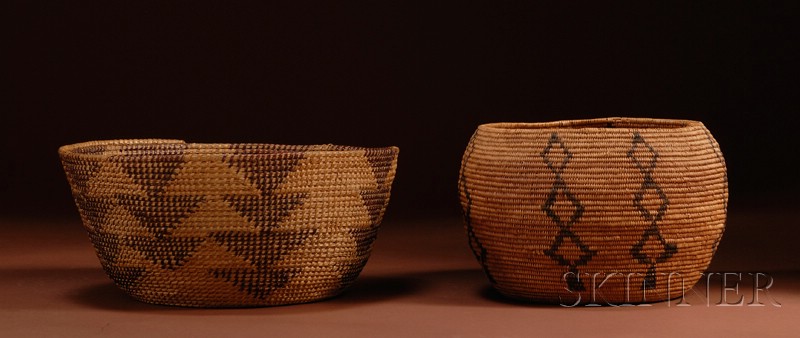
[[615, 210], [230, 225]]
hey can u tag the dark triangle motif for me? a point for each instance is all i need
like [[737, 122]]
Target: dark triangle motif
[[375, 199], [162, 213], [266, 244]]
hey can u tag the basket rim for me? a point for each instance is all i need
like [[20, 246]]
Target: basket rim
[[206, 149], [596, 124]]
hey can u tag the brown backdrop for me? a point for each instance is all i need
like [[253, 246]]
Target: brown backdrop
[[419, 75]]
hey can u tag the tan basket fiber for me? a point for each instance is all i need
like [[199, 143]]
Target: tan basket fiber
[[596, 211], [230, 224]]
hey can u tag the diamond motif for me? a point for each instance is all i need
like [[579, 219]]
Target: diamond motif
[[566, 257], [643, 155], [639, 249], [640, 199], [558, 209], [555, 155], [559, 212]]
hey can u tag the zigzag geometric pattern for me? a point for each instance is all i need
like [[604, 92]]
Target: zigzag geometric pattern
[[230, 224], [478, 250]]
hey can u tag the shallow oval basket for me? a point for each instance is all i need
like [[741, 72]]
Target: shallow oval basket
[[230, 225], [614, 210]]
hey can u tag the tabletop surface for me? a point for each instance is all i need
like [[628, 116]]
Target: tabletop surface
[[421, 281]]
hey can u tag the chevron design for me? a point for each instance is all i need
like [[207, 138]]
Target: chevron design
[[149, 222]]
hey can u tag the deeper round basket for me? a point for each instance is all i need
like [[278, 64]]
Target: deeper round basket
[[613, 210], [229, 225]]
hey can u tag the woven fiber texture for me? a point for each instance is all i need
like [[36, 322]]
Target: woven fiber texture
[[230, 225], [614, 210]]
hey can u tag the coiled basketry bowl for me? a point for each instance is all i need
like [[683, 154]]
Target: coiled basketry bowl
[[229, 225], [614, 210]]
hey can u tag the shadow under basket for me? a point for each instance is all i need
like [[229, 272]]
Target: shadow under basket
[[616, 210], [230, 225]]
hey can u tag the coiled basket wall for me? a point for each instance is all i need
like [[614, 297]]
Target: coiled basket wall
[[229, 224], [615, 210]]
